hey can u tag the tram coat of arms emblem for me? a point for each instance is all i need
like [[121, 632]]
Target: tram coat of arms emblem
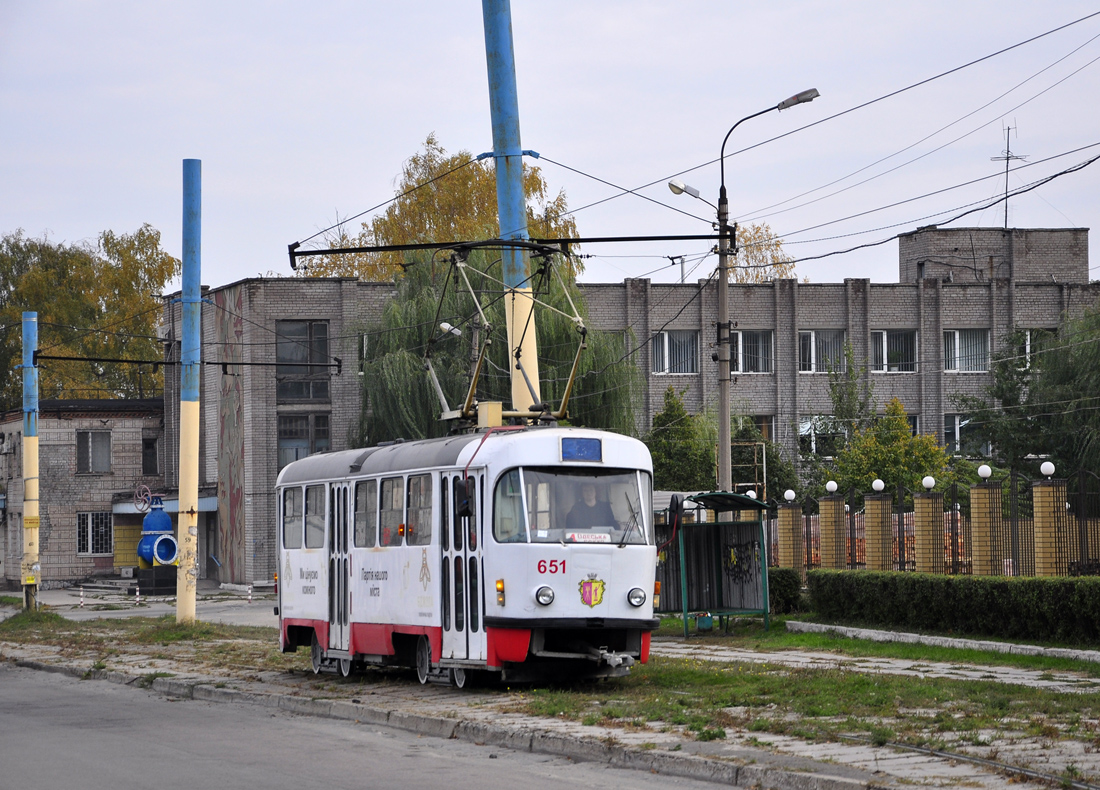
[[591, 592]]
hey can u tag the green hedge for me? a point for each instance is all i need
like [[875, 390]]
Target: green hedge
[[784, 590], [1058, 609]]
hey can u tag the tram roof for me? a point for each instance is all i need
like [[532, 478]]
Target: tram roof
[[404, 456], [426, 453]]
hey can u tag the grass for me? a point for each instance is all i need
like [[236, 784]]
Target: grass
[[750, 635], [708, 698], [10, 600]]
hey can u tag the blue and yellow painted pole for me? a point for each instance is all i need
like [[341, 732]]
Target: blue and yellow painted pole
[[190, 362], [30, 569], [511, 204]]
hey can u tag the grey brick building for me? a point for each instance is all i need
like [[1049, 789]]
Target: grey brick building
[[922, 340], [92, 455]]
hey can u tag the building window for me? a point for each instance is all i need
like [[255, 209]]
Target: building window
[[764, 424], [1031, 342], [676, 351], [300, 350], [894, 350], [301, 435], [94, 533], [93, 452], [959, 437], [966, 350], [914, 423], [150, 457], [751, 351], [821, 350], [819, 436]]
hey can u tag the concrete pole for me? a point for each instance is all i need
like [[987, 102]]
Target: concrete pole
[[190, 360], [31, 569], [511, 204]]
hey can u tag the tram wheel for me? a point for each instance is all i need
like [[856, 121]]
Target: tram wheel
[[458, 677], [345, 667], [423, 659], [316, 657]]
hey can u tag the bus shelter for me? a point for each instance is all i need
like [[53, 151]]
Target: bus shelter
[[722, 564]]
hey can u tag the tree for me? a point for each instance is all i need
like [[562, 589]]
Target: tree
[[399, 400], [682, 446], [441, 198], [852, 395], [1043, 399], [748, 464], [94, 302], [888, 450], [760, 256]]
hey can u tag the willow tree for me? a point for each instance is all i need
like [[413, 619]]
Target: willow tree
[[399, 399]]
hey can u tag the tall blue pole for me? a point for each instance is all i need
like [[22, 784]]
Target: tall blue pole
[[30, 570], [190, 362], [511, 203]]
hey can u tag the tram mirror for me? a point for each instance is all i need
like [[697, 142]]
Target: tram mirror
[[675, 510], [465, 494]]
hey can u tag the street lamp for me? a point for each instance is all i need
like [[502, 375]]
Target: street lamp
[[725, 460]]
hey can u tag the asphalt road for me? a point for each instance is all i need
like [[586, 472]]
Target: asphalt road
[[57, 732]]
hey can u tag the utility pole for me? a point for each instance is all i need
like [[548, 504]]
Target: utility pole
[[187, 573], [511, 204], [30, 570]]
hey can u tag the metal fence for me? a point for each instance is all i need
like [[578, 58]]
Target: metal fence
[[1077, 531]]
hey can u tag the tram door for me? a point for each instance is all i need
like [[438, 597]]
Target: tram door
[[338, 569], [463, 588]]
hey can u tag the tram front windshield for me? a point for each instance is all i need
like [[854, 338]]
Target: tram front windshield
[[566, 505]]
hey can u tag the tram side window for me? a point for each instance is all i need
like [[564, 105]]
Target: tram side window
[[315, 517], [292, 518], [391, 511], [508, 522], [366, 514], [419, 518]]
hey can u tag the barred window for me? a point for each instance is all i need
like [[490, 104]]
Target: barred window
[[894, 351], [93, 452], [94, 533], [755, 351], [966, 350], [676, 351], [821, 350]]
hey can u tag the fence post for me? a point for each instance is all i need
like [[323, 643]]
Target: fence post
[[790, 537], [834, 532], [928, 531], [879, 512], [1049, 503], [985, 511]]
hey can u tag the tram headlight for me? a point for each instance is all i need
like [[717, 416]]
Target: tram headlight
[[544, 595], [636, 597]]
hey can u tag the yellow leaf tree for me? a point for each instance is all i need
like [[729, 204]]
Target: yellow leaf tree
[[441, 197], [760, 256]]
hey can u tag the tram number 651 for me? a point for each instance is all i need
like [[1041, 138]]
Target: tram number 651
[[552, 566]]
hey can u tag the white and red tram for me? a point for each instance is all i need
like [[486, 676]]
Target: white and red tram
[[525, 552]]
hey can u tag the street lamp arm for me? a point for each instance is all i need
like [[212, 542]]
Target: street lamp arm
[[722, 155]]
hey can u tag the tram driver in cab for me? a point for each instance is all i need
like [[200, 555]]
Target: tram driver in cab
[[589, 511]]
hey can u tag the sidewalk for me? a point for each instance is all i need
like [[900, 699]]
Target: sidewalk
[[743, 759]]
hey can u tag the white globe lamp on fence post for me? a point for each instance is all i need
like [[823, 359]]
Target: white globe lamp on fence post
[[878, 485]]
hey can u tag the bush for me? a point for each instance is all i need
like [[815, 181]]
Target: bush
[[1058, 609], [784, 590]]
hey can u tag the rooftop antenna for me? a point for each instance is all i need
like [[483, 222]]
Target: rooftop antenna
[[1006, 157]]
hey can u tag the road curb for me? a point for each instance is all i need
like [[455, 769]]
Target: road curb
[[526, 739], [874, 635]]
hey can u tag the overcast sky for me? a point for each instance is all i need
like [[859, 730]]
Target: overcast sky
[[302, 113]]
